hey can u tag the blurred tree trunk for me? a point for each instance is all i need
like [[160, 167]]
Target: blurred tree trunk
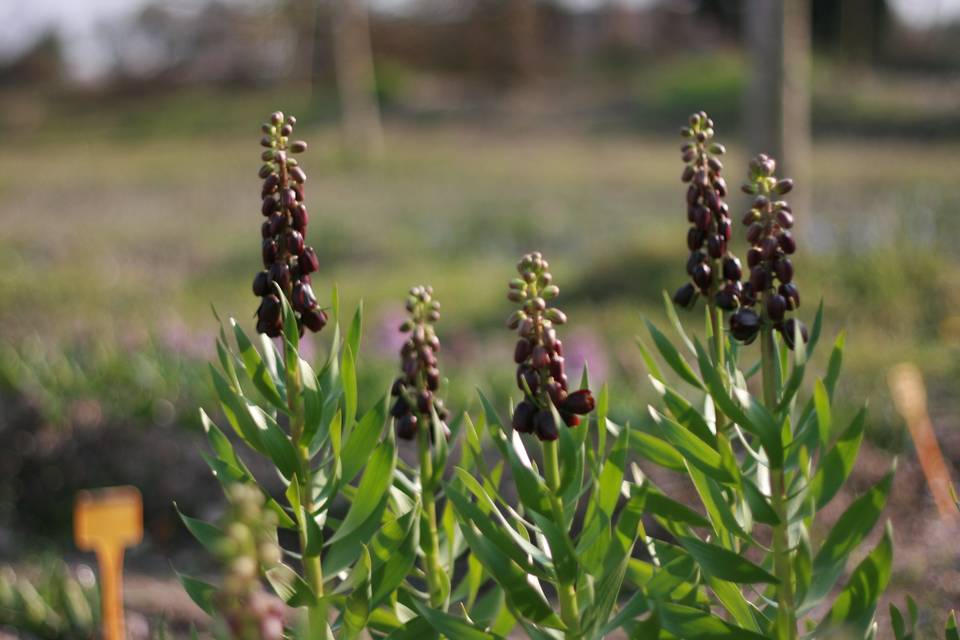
[[778, 92], [353, 59]]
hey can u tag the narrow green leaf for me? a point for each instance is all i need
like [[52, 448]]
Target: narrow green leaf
[[724, 564], [206, 533], [951, 632], [444, 623], [373, 485], [290, 587], [672, 357], [257, 369], [854, 607], [202, 593], [695, 450], [348, 377], [362, 439], [821, 403], [835, 467], [849, 531]]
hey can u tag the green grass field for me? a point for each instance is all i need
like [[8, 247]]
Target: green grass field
[[114, 245]]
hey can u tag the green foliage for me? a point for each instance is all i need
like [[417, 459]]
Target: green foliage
[[56, 605]]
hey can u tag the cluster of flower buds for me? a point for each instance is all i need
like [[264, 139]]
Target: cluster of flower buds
[[771, 272], [539, 354], [416, 387], [249, 546], [287, 261], [712, 269]]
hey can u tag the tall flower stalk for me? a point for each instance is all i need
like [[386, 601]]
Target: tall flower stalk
[[714, 271], [419, 413], [542, 377]]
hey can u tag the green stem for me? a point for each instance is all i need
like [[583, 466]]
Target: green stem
[[566, 590], [786, 613], [312, 568], [431, 545]]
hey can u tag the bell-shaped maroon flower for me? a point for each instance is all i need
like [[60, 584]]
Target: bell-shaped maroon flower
[[579, 402]]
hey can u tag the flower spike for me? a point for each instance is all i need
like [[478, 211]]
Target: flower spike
[[539, 354], [287, 260]]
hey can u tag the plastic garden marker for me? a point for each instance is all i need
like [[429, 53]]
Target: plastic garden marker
[[107, 521]]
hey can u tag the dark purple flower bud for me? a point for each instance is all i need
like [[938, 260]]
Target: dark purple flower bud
[[303, 298], [702, 217], [728, 298], [269, 310], [787, 243], [523, 417], [526, 374], [297, 174], [687, 171], [716, 246], [433, 378], [280, 273], [697, 257], [715, 165], [720, 186], [792, 294], [308, 260], [783, 186], [732, 269], [776, 307], [407, 427], [753, 257], [300, 218], [540, 357], [315, 319], [711, 199], [261, 284], [790, 327], [724, 229], [694, 239], [269, 205], [271, 183], [785, 219], [685, 296], [278, 222], [400, 407], [760, 279], [424, 401], [702, 276], [269, 252], [265, 230], [580, 402], [744, 325], [556, 367], [557, 393], [768, 247], [693, 193], [754, 231], [295, 242], [522, 351], [397, 387], [784, 270], [545, 425], [288, 198]]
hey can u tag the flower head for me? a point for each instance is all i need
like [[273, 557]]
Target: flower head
[[287, 260], [711, 267], [416, 387], [771, 287], [539, 354]]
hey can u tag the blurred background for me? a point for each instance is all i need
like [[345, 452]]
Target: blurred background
[[447, 137]]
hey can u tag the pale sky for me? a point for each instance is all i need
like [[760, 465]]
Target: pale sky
[[76, 20]]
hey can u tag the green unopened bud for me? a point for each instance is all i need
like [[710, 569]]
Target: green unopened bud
[[717, 149], [550, 292], [556, 316], [515, 319], [517, 283], [516, 296]]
